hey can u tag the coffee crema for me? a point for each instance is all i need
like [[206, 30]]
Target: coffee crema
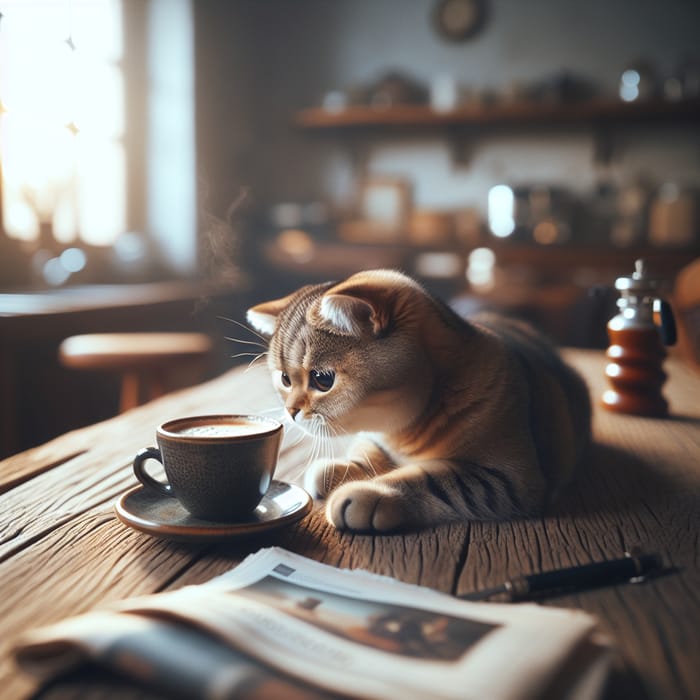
[[223, 429]]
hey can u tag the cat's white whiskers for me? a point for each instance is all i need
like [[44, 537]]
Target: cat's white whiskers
[[245, 327], [320, 443], [301, 436], [246, 354], [298, 439], [332, 430], [255, 355], [246, 342], [368, 462], [292, 437], [254, 360], [322, 432], [326, 434]]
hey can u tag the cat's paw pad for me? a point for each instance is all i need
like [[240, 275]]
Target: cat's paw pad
[[322, 476], [367, 507]]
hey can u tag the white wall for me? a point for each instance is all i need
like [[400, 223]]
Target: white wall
[[290, 53]]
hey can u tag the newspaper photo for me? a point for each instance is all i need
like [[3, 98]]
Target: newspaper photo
[[326, 632]]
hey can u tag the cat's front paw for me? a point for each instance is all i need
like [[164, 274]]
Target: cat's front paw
[[368, 506], [322, 476]]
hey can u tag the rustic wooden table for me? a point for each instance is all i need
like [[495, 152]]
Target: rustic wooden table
[[63, 551]]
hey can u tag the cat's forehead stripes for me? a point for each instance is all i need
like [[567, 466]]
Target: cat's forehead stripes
[[294, 334], [303, 348], [299, 345]]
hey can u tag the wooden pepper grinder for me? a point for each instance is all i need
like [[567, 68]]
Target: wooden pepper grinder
[[636, 348]]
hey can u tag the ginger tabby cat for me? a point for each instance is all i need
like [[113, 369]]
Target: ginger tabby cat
[[456, 419]]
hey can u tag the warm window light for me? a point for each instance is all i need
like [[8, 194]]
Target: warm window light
[[62, 119]]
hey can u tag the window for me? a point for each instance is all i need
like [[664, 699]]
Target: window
[[62, 121], [97, 132]]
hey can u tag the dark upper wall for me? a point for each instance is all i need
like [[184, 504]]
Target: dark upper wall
[[261, 60]]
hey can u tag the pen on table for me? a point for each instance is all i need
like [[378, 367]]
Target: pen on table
[[630, 569]]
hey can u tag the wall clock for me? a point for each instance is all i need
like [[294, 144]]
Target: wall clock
[[457, 20]]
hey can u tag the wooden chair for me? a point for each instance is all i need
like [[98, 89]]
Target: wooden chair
[[686, 305], [145, 361]]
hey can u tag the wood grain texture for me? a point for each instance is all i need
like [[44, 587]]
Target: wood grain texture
[[63, 552]]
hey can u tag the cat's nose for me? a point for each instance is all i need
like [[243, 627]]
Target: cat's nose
[[293, 410]]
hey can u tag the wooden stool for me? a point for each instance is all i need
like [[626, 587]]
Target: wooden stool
[[144, 360]]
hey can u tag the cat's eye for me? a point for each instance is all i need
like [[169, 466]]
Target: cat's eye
[[286, 381], [321, 381]]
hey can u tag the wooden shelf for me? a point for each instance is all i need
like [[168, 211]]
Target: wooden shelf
[[523, 113], [341, 259], [662, 261]]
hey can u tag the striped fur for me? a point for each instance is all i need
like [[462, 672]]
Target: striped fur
[[456, 419]]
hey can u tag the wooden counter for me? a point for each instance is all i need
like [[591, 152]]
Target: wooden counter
[[63, 551]]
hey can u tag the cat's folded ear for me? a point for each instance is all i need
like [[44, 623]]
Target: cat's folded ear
[[263, 317], [341, 314], [364, 303]]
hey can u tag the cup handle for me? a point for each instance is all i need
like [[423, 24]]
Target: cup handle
[[144, 477]]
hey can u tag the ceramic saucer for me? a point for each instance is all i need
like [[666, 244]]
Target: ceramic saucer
[[163, 516]]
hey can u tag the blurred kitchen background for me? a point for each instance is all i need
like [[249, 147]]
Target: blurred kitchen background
[[166, 163]]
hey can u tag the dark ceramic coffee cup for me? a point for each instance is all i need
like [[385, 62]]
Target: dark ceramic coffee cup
[[219, 467]]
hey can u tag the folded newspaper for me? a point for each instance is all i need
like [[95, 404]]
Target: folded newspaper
[[279, 625]]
